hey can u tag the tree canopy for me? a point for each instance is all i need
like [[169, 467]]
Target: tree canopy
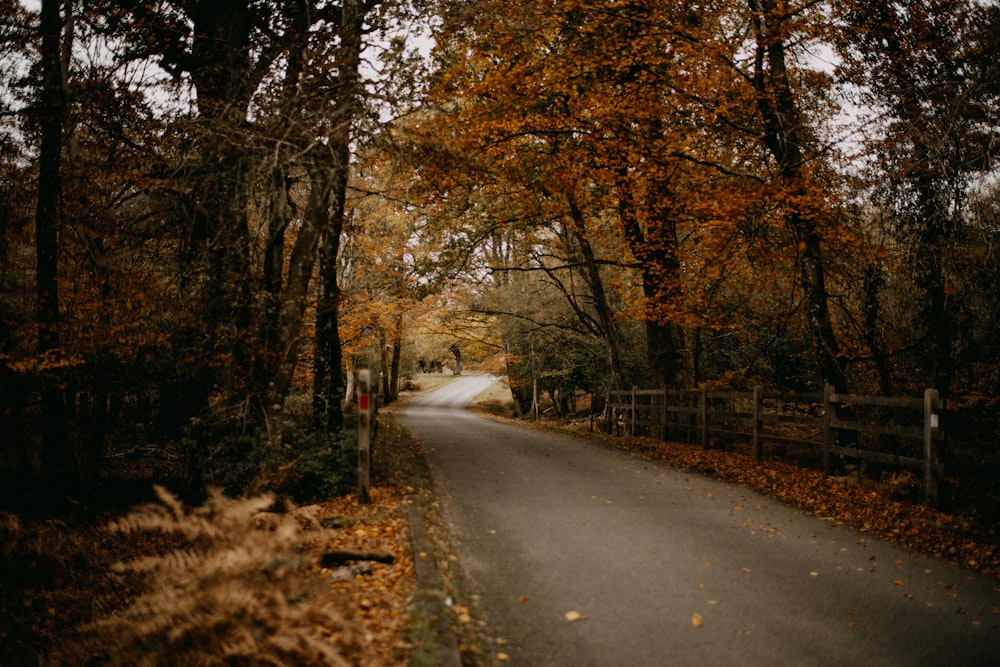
[[216, 211]]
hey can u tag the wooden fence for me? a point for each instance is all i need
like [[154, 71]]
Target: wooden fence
[[899, 432]]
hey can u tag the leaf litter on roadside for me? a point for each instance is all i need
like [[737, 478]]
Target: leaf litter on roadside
[[863, 504]]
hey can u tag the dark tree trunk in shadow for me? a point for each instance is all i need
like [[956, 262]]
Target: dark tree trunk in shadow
[[58, 466]]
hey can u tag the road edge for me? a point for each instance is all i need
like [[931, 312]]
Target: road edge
[[430, 600]]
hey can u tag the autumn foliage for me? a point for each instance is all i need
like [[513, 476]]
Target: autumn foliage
[[254, 580], [739, 193], [213, 213], [197, 604], [172, 253]]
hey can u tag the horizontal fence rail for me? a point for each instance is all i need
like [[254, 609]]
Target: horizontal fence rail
[[900, 432]]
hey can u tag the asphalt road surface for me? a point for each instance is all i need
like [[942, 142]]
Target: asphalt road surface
[[660, 567]]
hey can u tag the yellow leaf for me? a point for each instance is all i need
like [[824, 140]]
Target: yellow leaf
[[574, 616], [696, 620]]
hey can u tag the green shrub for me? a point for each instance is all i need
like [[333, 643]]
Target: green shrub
[[311, 466], [307, 465]]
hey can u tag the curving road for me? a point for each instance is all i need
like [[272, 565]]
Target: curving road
[[669, 568]]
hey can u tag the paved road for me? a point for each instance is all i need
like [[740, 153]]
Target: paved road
[[670, 568]]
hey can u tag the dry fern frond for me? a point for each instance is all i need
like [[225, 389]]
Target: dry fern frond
[[239, 591]]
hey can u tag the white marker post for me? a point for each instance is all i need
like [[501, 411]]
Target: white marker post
[[364, 434]]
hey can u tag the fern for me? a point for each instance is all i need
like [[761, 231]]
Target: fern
[[239, 590]]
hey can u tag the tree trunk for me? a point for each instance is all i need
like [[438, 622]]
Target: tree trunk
[[222, 74], [384, 352], [286, 343], [328, 384], [350, 374], [654, 246], [397, 353], [592, 275], [328, 380], [57, 454], [783, 132]]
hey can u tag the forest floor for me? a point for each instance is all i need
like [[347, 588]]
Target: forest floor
[[55, 572], [58, 573]]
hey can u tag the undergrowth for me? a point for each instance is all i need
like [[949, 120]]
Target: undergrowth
[[232, 587]]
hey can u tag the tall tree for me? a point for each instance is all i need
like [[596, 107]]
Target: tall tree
[[51, 114], [278, 86], [923, 66], [536, 97], [786, 133], [329, 384], [693, 124]]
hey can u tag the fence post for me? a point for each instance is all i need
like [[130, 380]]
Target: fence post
[[635, 408], [758, 449], [364, 434], [703, 408], [534, 399], [931, 424], [827, 430], [608, 413], [665, 424]]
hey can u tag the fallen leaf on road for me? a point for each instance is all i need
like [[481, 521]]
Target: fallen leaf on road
[[574, 616], [503, 657], [897, 582], [696, 620], [522, 599]]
